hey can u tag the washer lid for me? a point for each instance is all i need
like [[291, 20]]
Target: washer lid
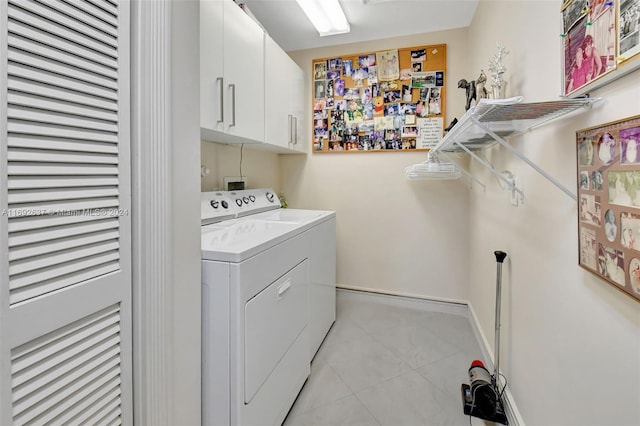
[[237, 240], [299, 216]]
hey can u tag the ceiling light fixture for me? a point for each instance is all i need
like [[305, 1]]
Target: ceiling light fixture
[[326, 15]]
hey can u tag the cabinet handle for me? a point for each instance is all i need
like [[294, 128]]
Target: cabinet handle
[[282, 288], [220, 81], [232, 87], [295, 130], [290, 117]]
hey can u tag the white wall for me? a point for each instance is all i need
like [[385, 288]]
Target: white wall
[[570, 342], [393, 235], [260, 168], [185, 231]]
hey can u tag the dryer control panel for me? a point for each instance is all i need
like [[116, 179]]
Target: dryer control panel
[[251, 201], [216, 206]]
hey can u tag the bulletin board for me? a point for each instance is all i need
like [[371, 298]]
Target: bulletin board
[[381, 101], [609, 195]]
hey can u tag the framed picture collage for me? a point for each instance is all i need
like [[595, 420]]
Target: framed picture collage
[[391, 100], [601, 42], [609, 202]]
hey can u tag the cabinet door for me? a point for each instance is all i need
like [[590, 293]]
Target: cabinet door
[[299, 141], [243, 74], [278, 95], [211, 65]]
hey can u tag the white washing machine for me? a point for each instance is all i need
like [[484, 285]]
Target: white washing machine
[[261, 266]]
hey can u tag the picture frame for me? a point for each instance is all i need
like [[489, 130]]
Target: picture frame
[[600, 43], [608, 177], [628, 31]]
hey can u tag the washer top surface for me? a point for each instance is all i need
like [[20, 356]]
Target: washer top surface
[[240, 224], [304, 219], [237, 240], [293, 215]]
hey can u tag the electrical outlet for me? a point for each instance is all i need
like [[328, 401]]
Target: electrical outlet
[[235, 183], [516, 197]]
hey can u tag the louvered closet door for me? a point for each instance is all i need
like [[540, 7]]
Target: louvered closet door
[[65, 228]]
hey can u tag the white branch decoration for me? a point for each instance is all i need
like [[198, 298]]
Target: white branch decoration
[[497, 68]]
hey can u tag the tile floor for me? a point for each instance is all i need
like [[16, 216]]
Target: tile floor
[[389, 361]]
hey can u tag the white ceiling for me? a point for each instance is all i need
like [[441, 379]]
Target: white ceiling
[[287, 24]]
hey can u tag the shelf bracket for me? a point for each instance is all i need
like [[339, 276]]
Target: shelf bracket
[[518, 154], [492, 121], [495, 172], [465, 172]]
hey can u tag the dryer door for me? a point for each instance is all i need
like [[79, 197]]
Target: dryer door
[[273, 320]]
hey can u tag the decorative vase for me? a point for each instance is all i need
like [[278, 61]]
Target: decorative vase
[[499, 90]]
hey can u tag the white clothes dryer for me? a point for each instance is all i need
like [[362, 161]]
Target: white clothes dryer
[[259, 331]]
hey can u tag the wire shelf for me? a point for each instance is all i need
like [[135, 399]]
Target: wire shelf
[[491, 121], [504, 118]]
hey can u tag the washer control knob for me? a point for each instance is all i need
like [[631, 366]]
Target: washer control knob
[[225, 204], [252, 198], [246, 200], [239, 202], [270, 197], [214, 204]]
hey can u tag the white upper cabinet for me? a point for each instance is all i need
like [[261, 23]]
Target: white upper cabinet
[[211, 65], [251, 91], [284, 99], [278, 93], [231, 74], [298, 101]]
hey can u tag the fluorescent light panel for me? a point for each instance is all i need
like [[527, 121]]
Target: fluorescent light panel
[[326, 15]]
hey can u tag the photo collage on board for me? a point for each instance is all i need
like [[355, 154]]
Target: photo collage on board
[[609, 202], [372, 101]]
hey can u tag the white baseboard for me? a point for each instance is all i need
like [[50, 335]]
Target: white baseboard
[[448, 306], [487, 351], [511, 410]]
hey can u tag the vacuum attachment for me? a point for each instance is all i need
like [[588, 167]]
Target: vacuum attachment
[[481, 398]]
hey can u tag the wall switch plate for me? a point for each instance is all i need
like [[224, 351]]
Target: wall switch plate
[[234, 183]]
